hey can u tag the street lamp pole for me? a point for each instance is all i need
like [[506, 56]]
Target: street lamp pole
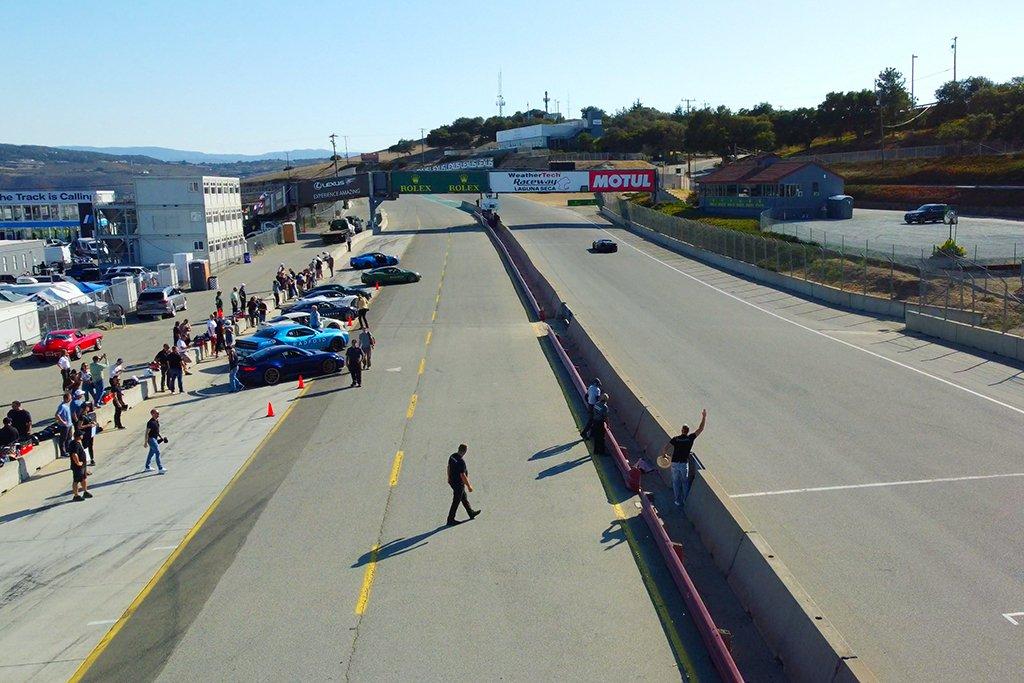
[[334, 153], [913, 58], [953, 47]]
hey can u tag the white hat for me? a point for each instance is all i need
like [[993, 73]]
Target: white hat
[[79, 393]]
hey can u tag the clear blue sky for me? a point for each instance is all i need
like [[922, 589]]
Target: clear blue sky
[[254, 76]]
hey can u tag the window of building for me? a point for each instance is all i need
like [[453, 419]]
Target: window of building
[[24, 261], [206, 189], [19, 212], [6, 212], [5, 263], [193, 186], [814, 189], [37, 214], [197, 245]]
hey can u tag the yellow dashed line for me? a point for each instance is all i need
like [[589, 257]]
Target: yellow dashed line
[[423, 364], [429, 333], [412, 407], [396, 467], [371, 571], [433, 316]]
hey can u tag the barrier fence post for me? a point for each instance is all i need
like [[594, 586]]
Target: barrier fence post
[[842, 263], [865, 289], [892, 273]]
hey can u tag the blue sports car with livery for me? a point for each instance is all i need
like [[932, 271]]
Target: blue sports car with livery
[[372, 260], [300, 336]]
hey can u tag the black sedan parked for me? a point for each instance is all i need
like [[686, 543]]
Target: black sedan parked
[[327, 309], [604, 247], [927, 213]]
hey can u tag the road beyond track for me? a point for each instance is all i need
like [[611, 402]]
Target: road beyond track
[[329, 557], [885, 470]]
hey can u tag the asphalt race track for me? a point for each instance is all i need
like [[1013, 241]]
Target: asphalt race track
[[884, 469], [329, 559]]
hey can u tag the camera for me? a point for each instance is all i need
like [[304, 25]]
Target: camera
[[163, 439]]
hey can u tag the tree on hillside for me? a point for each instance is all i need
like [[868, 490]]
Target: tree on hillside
[[751, 133], [705, 132], [951, 98], [832, 114], [893, 97], [861, 112], [403, 146], [797, 127]]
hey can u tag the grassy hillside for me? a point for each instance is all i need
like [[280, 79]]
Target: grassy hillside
[[967, 170]]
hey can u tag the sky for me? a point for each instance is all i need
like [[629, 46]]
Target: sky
[[255, 76]]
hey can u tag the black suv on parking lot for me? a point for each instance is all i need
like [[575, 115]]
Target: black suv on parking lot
[[928, 213]]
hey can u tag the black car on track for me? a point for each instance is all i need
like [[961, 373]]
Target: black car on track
[[604, 247], [927, 213]]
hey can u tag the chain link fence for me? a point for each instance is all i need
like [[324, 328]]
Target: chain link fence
[[257, 243], [102, 311], [961, 289]]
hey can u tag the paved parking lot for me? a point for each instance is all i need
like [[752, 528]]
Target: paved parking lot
[[994, 238]]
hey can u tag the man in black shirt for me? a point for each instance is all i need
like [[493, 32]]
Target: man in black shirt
[[8, 433], [458, 479], [21, 419], [354, 361], [153, 440], [79, 475], [162, 358], [681, 446], [175, 368]]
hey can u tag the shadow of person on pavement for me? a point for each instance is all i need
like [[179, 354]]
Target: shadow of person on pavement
[[398, 547], [11, 516], [563, 467], [554, 450]]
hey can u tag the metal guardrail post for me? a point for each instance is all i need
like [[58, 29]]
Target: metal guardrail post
[[865, 287]]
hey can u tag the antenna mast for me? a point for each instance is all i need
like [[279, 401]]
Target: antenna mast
[[500, 102]]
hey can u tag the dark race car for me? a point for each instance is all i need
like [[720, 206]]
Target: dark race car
[[272, 364], [604, 247], [927, 213]]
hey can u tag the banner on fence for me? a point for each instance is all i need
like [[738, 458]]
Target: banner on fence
[[334, 188], [540, 181], [438, 182]]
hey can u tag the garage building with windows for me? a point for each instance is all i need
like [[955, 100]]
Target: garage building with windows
[[790, 188]]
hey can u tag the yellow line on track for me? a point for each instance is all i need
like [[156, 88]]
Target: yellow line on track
[[368, 576], [433, 316], [412, 407], [137, 602], [429, 333], [423, 364], [396, 467]]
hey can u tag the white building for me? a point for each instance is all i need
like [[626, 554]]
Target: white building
[[197, 214], [57, 214], [550, 135]]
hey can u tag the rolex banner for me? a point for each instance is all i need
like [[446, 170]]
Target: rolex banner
[[438, 182]]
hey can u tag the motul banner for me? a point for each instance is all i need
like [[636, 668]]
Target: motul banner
[[622, 180]]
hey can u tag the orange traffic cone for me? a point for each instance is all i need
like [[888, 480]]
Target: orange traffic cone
[[376, 285], [270, 409], [302, 385]]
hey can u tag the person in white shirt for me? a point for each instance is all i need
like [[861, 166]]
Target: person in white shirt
[[117, 369], [593, 395], [64, 363]]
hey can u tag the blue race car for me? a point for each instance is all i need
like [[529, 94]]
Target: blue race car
[[373, 260], [327, 339], [274, 363]]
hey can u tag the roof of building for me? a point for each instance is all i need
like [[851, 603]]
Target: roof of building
[[755, 170]]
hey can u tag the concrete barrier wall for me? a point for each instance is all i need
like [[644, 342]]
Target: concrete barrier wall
[[1002, 344], [806, 643]]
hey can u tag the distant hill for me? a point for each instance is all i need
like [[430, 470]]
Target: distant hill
[[176, 155]]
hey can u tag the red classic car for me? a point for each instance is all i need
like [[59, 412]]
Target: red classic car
[[75, 341]]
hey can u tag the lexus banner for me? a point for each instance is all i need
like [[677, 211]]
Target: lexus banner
[[333, 189]]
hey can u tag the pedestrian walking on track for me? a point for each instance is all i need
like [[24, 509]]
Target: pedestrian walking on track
[[458, 480]]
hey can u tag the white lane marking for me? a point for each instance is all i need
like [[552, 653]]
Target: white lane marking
[[1010, 617], [879, 484], [1019, 411], [398, 369], [164, 547], [102, 622]]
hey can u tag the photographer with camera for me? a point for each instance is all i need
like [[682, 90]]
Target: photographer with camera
[[153, 440]]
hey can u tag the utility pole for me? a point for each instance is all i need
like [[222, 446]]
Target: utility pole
[[422, 150], [913, 58], [346, 149], [881, 126], [334, 153], [546, 100], [953, 47]]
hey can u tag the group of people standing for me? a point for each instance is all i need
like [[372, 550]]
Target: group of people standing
[[676, 454], [288, 284], [254, 308]]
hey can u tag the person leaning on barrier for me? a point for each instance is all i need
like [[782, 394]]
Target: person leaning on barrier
[[681, 446], [600, 417], [593, 394]]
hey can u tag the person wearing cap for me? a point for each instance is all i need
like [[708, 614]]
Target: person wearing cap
[[79, 473], [21, 419], [234, 301], [64, 363], [77, 404], [117, 369], [63, 417], [593, 394], [681, 446]]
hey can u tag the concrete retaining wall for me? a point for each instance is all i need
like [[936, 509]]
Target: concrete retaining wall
[[806, 643], [1008, 345]]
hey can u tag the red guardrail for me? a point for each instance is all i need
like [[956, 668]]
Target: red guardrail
[[670, 551]]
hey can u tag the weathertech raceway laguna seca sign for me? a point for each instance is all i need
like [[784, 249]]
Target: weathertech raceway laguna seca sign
[[615, 180]]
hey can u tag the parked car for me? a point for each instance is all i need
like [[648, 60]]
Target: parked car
[[389, 276], [927, 213], [302, 318], [372, 260], [126, 271], [321, 297], [604, 246], [272, 364], [330, 309], [350, 290], [159, 302], [328, 339], [73, 341]]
